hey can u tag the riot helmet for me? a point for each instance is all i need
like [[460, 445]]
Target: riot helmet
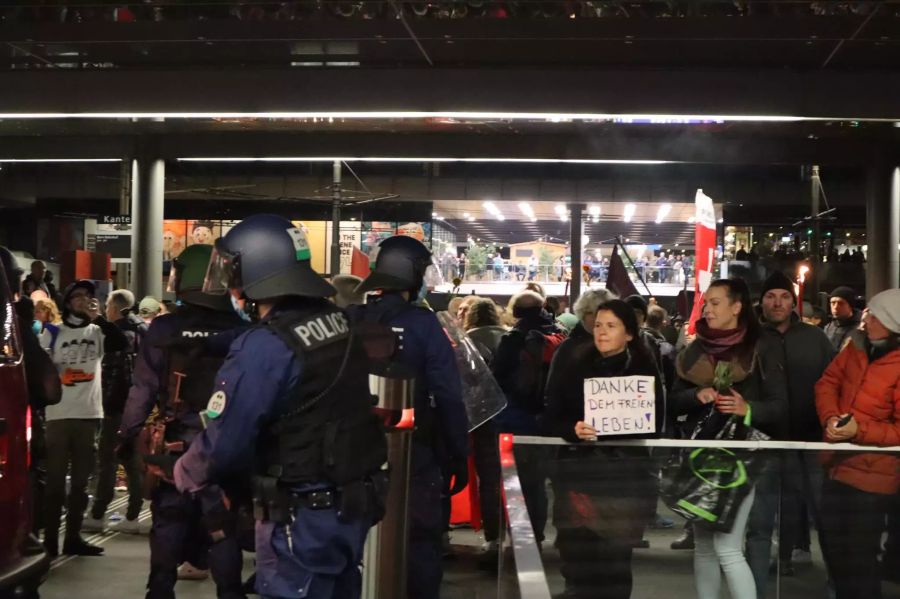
[[266, 257], [187, 277], [402, 264]]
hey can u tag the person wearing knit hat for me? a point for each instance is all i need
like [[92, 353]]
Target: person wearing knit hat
[[640, 307], [845, 317], [856, 400], [885, 307], [802, 352], [779, 280]]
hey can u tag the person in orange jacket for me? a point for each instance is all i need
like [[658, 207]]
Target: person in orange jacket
[[858, 401]]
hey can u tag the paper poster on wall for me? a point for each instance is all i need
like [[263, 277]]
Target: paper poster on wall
[[203, 232], [350, 238], [374, 233], [624, 405], [174, 238]]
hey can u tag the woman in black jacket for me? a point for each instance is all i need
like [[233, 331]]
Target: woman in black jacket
[[605, 496], [727, 333]]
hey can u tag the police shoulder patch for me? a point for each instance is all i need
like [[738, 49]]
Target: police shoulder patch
[[216, 405]]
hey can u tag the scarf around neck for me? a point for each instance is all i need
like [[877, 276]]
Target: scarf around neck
[[719, 344]]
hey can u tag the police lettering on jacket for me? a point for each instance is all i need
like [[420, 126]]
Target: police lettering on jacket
[[322, 329]]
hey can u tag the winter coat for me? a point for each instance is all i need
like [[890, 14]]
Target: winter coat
[[839, 330], [757, 377], [870, 390], [608, 490], [803, 352]]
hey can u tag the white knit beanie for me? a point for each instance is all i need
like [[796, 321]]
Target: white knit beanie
[[886, 308]]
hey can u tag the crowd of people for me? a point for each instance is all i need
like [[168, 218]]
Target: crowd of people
[[102, 371], [168, 10], [836, 381]]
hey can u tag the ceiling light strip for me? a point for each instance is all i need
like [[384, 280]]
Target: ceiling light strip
[[415, 159]]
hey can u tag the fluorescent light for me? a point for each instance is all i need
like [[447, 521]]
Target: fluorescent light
[[465, 215], [594, 210], [663, 212], [585, 240], [628, 214], [414, 159], [692, 220], [462, 115], [493, 210], [527, 210], [471, 219], [57, 160], [434, 214]]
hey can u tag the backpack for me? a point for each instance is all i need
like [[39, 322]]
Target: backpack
[[535, 356]]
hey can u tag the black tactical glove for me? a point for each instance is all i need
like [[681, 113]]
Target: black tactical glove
[[457, 475], [164, 464]]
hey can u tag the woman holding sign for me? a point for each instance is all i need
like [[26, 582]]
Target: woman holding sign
[[605, 496], [724, 369]]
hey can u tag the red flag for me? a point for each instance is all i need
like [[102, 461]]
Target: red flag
[[704, 250], [617, 280], [359, 264]]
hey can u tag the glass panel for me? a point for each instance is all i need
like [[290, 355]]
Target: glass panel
[[687, 519]]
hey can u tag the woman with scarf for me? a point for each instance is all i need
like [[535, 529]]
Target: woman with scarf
[[727, 333], [605, 495]]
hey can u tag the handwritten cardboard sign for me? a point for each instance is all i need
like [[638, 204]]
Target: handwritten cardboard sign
[[624, 405]]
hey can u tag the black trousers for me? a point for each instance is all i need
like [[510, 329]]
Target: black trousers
[[594, 567], [852, 523], [487, 465]]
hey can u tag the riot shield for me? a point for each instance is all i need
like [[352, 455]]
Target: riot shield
[[482, 395]]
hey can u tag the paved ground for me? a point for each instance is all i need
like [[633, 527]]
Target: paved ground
[[659, 572]]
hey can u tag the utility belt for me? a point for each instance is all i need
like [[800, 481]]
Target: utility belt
[[366, 497]]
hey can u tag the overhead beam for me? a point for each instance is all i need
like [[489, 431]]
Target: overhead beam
[[684, 147], [819, 94]]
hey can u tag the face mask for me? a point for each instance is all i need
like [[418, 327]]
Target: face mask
[[238, 310]]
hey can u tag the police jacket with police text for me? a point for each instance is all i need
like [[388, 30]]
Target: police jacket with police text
[[184, 331], [262, 391]]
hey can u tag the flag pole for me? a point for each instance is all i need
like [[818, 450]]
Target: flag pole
[[631, 262]]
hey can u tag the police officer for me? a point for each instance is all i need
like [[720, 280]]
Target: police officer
[[440, 442], [174, 373], [291, 405]]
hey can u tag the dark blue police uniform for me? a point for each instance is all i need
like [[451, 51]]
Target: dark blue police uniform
[[316, 551], [441, 429], [180, 517]]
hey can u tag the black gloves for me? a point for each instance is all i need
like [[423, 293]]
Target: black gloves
[[457, 475]]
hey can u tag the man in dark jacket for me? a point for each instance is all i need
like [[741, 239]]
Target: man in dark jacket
[[804, 352], [117, 370], [846, 317]]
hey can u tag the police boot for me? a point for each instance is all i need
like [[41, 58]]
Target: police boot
[[78, 546]]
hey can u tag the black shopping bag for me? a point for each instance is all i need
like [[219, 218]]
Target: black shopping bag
[[707, 484]]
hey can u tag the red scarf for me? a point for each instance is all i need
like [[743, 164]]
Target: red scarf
[[719, 344]]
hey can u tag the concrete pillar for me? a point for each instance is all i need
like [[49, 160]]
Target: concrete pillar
[[147, 200], [123, 270], [882, 229], [575, 232], [335, 266]]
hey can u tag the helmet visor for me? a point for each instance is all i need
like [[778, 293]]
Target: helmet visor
[[222, 273], [172, 285], [433, 277]]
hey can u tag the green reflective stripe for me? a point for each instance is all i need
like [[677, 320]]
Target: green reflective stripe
[[738, 466], [303, 254], [748, 417], [697, 510]]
